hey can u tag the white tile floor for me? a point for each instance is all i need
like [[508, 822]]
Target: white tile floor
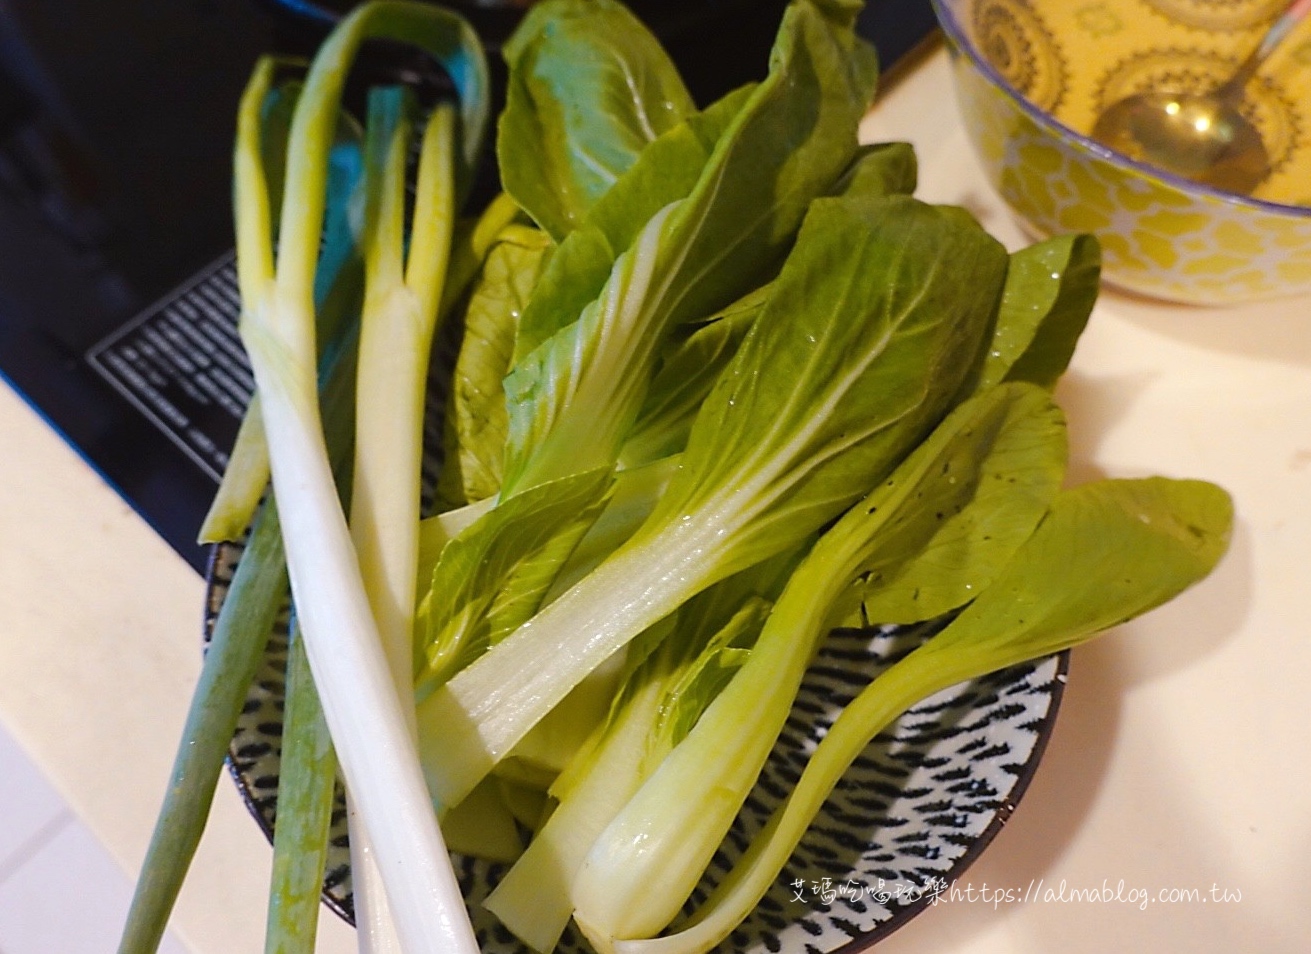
[[60, 891]]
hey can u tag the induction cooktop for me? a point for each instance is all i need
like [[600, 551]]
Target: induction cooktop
[[118, 298]]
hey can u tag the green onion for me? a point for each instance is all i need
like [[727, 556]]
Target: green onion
[[366, 717]]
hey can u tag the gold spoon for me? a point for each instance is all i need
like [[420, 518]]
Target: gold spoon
[[1203, 137]]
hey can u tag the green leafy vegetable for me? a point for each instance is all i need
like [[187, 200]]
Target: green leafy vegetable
[[1049, 294], [881, 168], [736, 388], [687, 373], [472, 241], [665, 172], [635, 494], [492, 581], [476, 412], [932, 536], [887, 303], [1106, 552], [685, 377], [589, 89], [580, 390]]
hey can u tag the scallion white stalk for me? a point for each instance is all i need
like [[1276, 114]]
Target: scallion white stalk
[[396, 329], [366, 717]]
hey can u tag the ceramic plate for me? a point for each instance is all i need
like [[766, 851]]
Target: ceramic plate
[[908, 818]]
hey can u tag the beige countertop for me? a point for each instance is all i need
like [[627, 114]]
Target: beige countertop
[[1179, 761]]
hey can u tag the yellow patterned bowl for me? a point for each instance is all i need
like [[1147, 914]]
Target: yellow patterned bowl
[[1032, 76]]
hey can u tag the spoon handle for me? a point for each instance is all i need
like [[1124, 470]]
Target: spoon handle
[[1280, 29], [1290, 18]]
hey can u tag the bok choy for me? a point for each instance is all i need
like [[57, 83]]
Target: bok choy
[[875, 321], [949, 504], [1103, 554]]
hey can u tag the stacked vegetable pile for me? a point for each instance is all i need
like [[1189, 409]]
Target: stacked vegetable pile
[[723, 385]]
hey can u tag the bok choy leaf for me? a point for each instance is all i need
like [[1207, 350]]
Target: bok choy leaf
[[881, 168], [666, 171], [1105, 553], [689, 368], [685, 377], [492, 582], [575, 396], [476, 415], [1050, 291], [887, 305], [589, 89], [934, 533]]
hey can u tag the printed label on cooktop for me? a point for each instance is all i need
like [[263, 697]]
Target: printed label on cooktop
[[181, 364]]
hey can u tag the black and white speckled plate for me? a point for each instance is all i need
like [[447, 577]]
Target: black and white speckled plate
[[909, 817]]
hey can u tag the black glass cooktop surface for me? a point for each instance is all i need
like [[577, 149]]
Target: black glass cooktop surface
[[117, 293]]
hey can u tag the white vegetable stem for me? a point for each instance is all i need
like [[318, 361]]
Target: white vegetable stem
[[360, 704], [899, 688], [645, 864], [474, 720], [396, 332], [395, 339], [533, 899], [364, 713]]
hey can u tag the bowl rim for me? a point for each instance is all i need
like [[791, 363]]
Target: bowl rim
[[960, 41]]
